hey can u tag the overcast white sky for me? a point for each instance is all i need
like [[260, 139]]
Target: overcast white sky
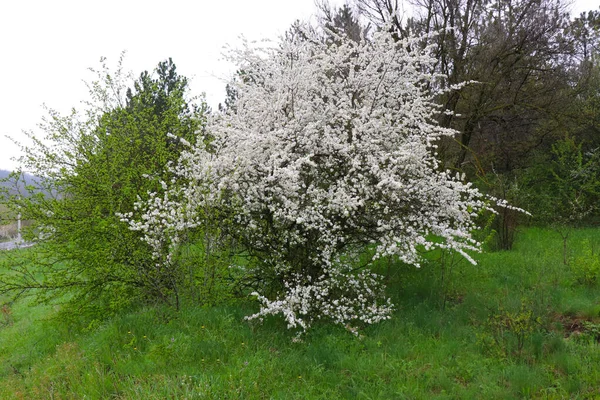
[[46, 46]]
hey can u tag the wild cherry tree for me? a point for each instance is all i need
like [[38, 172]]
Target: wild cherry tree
[[328, 154]]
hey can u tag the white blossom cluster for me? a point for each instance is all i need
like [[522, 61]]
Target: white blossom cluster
[[330, 147], [166, 216], [342, 297]]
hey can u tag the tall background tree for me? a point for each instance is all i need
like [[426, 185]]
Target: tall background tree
[[534, 81]]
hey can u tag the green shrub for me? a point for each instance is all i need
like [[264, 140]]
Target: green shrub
[[507, 332], [586, 267], [92, 166]]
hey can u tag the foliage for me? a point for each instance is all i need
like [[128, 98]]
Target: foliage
[[91, 165], [506, 327], [329, 147], [508, 48], [535, 68], [507, 219], [575, 182], [591, 332], [586, 267], [534, 77], [562, 188]]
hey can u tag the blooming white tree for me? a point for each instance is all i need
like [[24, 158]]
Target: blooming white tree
[[328, 150]]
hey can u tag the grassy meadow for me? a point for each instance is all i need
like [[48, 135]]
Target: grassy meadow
[[520, 324]]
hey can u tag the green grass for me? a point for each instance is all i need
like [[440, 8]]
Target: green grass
[[518, 325]]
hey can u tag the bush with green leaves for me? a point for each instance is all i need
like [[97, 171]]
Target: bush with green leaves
[[586, 267], [507, 332], [91, 165], [563, 188], [564, 185], [504, 223]]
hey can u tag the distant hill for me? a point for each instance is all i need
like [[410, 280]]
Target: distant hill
[[28, 179]]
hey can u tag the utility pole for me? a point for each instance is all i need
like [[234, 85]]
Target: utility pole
[[19, 239]]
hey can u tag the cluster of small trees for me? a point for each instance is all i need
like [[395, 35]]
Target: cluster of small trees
[[341, 144], [91, 165]]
